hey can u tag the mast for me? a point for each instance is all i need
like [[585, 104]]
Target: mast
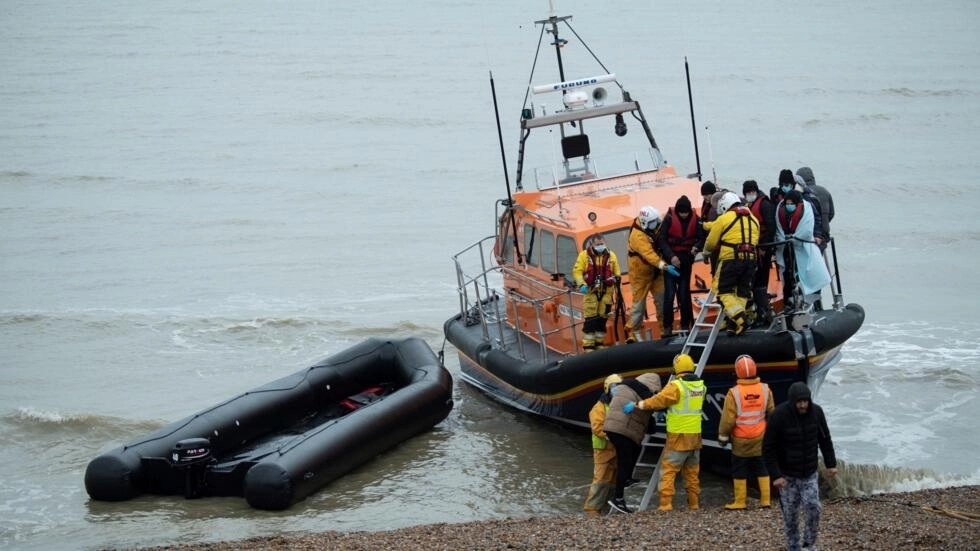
[[694, 129]]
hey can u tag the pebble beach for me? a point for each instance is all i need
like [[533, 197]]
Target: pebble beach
[[947, 518]]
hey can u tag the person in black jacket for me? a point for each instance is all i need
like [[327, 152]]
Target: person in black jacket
[[794, 431], [765, 212], [680, 235]]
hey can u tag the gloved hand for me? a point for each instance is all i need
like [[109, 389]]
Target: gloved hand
[[610, 282], [673, 271], [723, 441], [628, 407], [583, 289]]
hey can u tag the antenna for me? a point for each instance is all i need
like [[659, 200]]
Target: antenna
[[711, 155]]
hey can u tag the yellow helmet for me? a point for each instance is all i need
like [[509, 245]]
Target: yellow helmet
[[683, 364], [610, 381]]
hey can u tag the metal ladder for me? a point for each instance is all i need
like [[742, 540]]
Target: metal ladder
[[694, 340]]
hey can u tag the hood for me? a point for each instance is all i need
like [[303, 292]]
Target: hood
[[651, 381], [639, 388], [807, 174], [798, 391]]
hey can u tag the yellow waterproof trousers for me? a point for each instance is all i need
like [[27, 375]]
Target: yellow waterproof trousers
[[643, 283], [603, 485], [688, 463]]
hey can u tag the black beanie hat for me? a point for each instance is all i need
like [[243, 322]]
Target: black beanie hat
[[794, 196], [786, 177], [683, 204], [749, 185], [708, 187]]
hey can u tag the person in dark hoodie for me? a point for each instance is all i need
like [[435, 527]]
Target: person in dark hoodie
[[823, 197], [626, 429], [794, 432]]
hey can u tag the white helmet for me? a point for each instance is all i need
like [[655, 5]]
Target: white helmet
[[648, 216], [727, 201]]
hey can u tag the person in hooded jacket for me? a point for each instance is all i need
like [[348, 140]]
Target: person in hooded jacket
[[680, 237], [626, 429], [824, 199], [603, 452], [683, 398], [743, 423], [794, 432]]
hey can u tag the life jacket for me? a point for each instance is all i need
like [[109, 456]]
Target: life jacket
[[599, 268], [684, 417], [756, 209], [791, 221], [680, 238], [744, 249], [751, 402]]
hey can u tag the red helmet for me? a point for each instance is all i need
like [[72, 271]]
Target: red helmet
[[745, 367]]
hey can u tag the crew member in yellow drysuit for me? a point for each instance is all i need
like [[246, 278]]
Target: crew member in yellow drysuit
[[734, 235], [646, 269], [682, 397], [596, 273], [603, 452]]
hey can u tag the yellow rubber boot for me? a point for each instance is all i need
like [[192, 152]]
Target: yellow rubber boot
[[666, 503], [692, 502], [764, 492], [739, 503]]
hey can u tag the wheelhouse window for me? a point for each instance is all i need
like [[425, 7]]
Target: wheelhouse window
[[547, 246], [567, 255], [617, 242]]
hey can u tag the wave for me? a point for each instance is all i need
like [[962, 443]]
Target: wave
[[15, 174], [871, 118], [29, 420], [910, 93], [918, 352], [861, 480]]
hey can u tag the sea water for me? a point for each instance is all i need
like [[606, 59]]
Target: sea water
[[196, 199]]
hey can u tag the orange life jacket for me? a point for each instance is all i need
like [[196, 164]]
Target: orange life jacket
[[751, 402]]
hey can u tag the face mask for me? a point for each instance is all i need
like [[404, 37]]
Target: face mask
[[599, 248], [683, 215], [790, 208], [653, 225], [750, 197], [786, 188]]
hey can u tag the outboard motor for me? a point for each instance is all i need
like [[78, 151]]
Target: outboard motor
[[192, 456]]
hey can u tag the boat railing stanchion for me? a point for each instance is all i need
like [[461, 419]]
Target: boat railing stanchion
[[839, 291]]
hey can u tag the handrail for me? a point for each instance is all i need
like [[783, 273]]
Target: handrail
[[480, 302]]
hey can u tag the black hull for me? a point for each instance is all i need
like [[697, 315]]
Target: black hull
[[281, 442], [565, 389]]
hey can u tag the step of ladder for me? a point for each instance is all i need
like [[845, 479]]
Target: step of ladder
[[693, 342]]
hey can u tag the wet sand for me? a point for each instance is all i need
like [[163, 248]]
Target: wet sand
[[947, 518]]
